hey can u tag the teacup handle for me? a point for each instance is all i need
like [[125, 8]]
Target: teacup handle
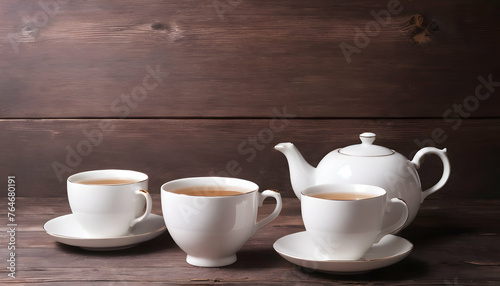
[[397, 225], [149, 205], [262, 196]]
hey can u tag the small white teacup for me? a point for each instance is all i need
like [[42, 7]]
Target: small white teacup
[[211, 218], [108, 203], [345, 220]]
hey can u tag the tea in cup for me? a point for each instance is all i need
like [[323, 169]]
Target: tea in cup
[[211, 218], [108, 203], [345, 220]]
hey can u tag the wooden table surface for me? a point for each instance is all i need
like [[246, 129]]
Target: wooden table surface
[[455, 243]]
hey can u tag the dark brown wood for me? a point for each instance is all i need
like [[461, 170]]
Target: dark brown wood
[[196, 88], [243, 58], [455, 243], [168, 149]]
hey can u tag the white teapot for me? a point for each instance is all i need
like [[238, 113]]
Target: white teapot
[[369, 164]]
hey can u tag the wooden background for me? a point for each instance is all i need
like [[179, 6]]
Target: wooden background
[[77, 89]]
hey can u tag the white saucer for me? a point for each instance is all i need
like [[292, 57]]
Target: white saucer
[[299, 249], [66, 230]]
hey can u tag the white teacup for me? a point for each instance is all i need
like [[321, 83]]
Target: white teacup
[[345, 220], [108, 203], [211, 227]]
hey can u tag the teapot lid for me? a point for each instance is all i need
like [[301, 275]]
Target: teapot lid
[[366, 148]]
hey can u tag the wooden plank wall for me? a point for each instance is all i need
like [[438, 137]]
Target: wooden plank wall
[[195, 88]]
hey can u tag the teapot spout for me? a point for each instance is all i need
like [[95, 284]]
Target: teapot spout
[[301, 173]]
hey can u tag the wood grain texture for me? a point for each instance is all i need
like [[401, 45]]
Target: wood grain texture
[[196, 88], [168, 149], [454, 241], [76, 59]]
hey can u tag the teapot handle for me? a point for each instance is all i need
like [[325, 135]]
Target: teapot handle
[[446, 168]]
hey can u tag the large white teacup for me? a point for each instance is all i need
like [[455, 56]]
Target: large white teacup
[[345, 220], [108, 203], [210, 225]]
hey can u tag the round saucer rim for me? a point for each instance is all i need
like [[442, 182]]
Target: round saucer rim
[[396, 256], [163, 228]]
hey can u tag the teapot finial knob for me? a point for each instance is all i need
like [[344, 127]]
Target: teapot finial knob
[[367, 137]]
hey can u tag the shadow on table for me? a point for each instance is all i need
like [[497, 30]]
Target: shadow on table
[[248, 258], [438, 224], [408, 269], [162, 242]]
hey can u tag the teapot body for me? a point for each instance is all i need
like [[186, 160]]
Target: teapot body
[[394, 173], [368, 164]]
